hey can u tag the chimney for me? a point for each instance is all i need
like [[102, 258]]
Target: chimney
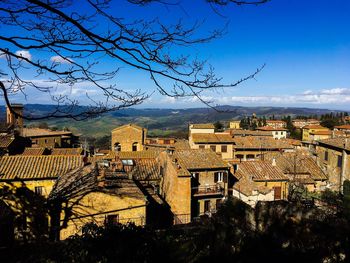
[[273, 161], [333, 134]]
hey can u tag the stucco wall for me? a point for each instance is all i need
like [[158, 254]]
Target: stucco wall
[[95, 207]]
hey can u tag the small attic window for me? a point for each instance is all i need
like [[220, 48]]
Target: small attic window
[[128, 162]]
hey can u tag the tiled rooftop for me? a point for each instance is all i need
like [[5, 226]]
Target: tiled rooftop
[[343, 127], [37, 132], [260, 171], [269, 128], [315, 127], [67, 151], [299, 163], [34, 151], [239, 132], [255, 142], [37, 167], [198, 159], [6, 140], [146, 170], [212, 138], [340, 142], [202, 126]]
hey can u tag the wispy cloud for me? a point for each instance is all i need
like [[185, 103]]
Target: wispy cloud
[[326, 97], [24, 54], [61, 60]]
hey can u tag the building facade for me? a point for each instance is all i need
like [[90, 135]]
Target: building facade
[[128, 138]]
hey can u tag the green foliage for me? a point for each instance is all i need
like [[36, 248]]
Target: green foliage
[[218, 126], [273, 231]]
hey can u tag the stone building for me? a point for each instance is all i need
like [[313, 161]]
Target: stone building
[[13, 120], [300, 123], [307, 130], [128, 138], [276, 124], [47, 138], [235, 124], [301, 169], [201, 128], [194, 182], [333, 155], [108, 197], [253, 147], [259, 181], [221, 143]]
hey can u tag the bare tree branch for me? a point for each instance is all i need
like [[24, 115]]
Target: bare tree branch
[[78, 43]]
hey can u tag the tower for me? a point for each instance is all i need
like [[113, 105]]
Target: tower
[[12, 119]]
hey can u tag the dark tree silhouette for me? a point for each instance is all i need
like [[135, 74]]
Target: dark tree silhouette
[[78, 39]]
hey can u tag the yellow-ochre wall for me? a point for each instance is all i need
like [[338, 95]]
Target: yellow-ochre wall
[[96, 206], [31, 184], [270, 184], [175, 189], [126, 136]]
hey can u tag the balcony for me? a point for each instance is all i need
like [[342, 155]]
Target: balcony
[[206, 190]]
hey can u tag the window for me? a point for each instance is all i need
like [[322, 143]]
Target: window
[[201, 146], [166, 141], [218, 177], [195, 175], [339, 161], [326, 155], [117, 147], [240, 156], [206, 206], [250, 156], [112, 219], [38, 190], [134, 146], [224, 148], [128, 162], [213, 147], [45, 140]]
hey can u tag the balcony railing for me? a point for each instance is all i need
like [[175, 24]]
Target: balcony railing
[[214, 189]]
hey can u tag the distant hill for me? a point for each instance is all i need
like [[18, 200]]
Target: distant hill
[[161, 122]]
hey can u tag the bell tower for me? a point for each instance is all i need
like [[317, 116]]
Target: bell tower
[[12, 119]]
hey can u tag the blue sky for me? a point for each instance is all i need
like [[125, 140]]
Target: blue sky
[[305, 45]]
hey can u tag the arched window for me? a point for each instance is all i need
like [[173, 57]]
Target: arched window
[[117, 147], [134, 146]]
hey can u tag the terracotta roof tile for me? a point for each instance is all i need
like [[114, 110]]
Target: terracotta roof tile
[[129, 125], [269, 128], [212, 138], [239, 132], [6, 140], [275, 121], [146, 170], [37, 132], [260, 171], [34, 151], [299, 164], [199, 159], [67, 151], [340, 142], [37, 167], [315, 127], [343, 127], [203, 126], [263, 142]]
